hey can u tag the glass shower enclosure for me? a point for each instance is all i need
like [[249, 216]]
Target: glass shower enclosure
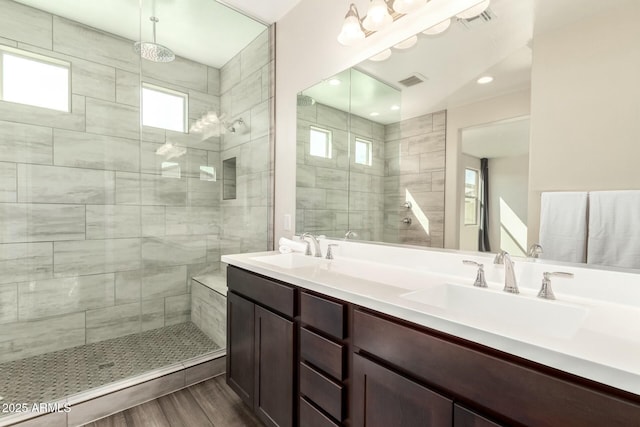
[[116, 119]]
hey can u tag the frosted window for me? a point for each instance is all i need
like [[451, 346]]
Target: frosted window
[[164, 108], [35, 81], [320, 142], [363, 152]]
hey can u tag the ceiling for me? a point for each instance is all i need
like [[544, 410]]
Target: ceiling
[[267, 11], [506, 138], [205, 31]]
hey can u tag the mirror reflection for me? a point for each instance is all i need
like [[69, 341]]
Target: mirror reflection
[[528, 98]]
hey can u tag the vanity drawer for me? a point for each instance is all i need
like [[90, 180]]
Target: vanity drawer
[[274, 295], [311, 417], [322, 353], [321, 390], [323, 314], [515, 388]]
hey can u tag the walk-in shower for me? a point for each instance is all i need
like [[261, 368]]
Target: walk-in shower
[[112, 216]]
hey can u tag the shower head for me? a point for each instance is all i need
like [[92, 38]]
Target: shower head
[[153, 51], [305, 101]]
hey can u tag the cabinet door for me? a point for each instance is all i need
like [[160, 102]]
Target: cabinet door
[[274, 368], [463, 417], [240, 347], [382, 398]]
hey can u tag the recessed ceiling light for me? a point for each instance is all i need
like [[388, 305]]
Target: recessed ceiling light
[[484, 80], [407, 43], [334, 82], [374, 113], [395, 107], [385, 54]]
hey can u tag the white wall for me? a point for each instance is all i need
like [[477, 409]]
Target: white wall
[[307, 51], [468, 233], [585, 107], [516, 104], [508, 184]]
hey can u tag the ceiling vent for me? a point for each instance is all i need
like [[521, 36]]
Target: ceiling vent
[[481, 20], [412, 80]]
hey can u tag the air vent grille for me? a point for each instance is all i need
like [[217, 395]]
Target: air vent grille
[[484, 18], [412, 80]]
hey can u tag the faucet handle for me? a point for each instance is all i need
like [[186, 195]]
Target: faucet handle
[[329, 250], [480, 280], [545, 291], [534, 250], [499, 259]]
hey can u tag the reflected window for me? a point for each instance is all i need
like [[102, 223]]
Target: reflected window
[[170, 170], [363, 152], [35, 80], [164, 108], [471, 196], [320, 142]]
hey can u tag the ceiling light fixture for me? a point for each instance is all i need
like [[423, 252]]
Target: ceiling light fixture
[[406, 44], [395, 107], [474, 10], [374, 114], [484, 80], [378, 16], [407, 6], [351, 28], [438, 28], [385, 54], [334, 82]]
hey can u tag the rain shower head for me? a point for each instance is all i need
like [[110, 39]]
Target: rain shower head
[[152, 51]]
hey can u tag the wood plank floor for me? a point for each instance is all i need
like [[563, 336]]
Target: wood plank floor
[[208, 404]]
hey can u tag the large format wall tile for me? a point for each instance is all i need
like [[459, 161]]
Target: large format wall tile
[[113, 322], [213, 81], [22, 143], [153, 220], [161, 282], [109, 118], [177, 309], [152, 313], [158, 190], [15, 17], [8, 303], [51, 184], [96, 256], [85, 150], [25, 261], [44, 298], [25, 339], [182, 72], [246, 94], [28, 114], [255, 55], [85, 42], [112, 221], [23, 222], [174, 250], [127, 286], [8, 177], [192, 220], [127, 188], [127, 88]]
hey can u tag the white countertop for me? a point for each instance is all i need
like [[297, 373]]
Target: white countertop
[[605, 348]]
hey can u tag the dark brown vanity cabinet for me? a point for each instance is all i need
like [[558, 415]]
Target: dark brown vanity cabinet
[[323, 356], [260, 345]]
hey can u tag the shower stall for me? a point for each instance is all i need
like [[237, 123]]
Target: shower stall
[[135, 150]]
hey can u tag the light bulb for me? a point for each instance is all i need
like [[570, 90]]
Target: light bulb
[[474, 11], [407, 6], [377, 16], [407, 43], [438, 28], [351, 29], [385, 54], [484, 80]]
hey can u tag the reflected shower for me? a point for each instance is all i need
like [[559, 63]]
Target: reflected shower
[[152, 51]]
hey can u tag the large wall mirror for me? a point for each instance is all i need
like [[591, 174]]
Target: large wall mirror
[[507, 102]]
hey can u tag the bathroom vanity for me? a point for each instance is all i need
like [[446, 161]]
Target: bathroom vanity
[[312, 344]]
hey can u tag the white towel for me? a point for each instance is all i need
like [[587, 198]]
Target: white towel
[[614, 228], [563, 226], [288, 245]]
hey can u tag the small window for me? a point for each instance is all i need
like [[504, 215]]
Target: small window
[[363, 152], [164, 108], [470, 197], [35, 80], [320, 142]]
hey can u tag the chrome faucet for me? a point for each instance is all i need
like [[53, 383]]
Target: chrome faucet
[[510, 282], [534, 250], [317, 251], [350, 235]]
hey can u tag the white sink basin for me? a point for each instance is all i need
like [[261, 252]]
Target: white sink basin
[[292, 260], [503, 312]]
